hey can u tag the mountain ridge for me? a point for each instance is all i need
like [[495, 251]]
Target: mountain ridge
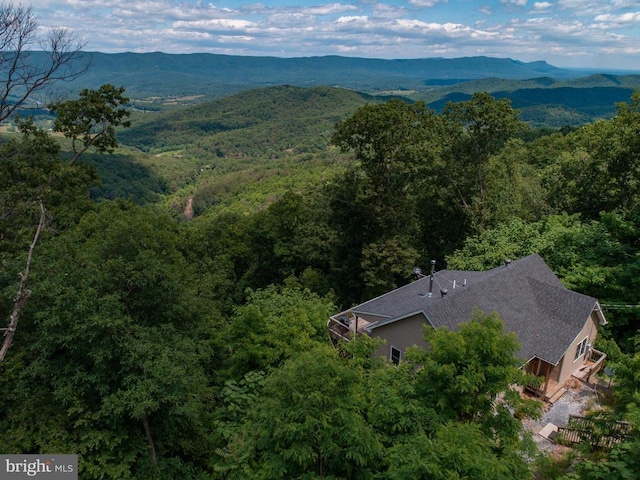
[[155, 81], [157, 73]]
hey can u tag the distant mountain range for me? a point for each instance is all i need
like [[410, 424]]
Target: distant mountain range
[[547, 95], [149, 74]]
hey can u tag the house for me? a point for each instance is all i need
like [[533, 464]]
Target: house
[[555, 326]]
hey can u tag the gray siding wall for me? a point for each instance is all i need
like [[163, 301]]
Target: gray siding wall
[[401, 334]]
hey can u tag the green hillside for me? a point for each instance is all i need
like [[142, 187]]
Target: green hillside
[[546, 101], [236, 153], [271, 121], [242, 151]]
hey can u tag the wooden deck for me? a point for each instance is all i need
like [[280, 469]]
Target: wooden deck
[[344, 327], [593, 364]]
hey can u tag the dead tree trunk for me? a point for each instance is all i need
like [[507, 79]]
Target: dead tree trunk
[[147, 432], [23, 294]]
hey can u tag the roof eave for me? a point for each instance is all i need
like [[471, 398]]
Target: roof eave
[[387, 321]]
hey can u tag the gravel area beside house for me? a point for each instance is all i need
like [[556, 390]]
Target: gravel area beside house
[[579, 398]]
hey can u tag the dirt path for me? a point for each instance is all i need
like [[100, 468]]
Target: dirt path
[[188, 209]]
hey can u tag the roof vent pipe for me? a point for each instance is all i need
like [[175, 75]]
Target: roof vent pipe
[[443, 292], [433, 268], [507, 261]]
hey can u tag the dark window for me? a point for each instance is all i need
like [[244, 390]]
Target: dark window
[[395, 355]]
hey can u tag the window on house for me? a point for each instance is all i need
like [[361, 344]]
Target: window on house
[[581, 349], [395, 355]]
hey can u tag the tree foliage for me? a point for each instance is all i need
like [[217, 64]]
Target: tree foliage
[[117, 344], [392, 142], [91, 119], [309, 423], [463, 373], [274, 325]]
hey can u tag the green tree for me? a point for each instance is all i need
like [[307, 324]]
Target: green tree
[[514, 189], [386, 263], [308, 423], [114, 354], [475, 131], [624, 165], [392, 143], [394, 408], [290, 236], [91, 119], [463, 373], [31, 172], [31, 168], [471, 424], [353, 222], [620, 464], [39, 195], [455, 451], [275, 324], [218, 249], [597, 166]]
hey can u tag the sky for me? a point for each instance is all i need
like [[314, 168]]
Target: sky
[[597, 34]]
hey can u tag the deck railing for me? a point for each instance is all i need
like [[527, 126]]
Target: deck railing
[[339, 329], [595, 360], [597, 432]]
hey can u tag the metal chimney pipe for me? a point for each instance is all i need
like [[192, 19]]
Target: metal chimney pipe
[[433, 268]]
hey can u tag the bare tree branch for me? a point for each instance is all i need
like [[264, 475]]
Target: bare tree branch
[[24, 71], [23, 294]]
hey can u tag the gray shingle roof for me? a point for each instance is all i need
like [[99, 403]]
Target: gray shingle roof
[[526, 294]]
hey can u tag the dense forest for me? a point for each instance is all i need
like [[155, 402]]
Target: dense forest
[[179, 283]]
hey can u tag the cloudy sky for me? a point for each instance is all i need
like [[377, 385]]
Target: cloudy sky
[[565, 33]]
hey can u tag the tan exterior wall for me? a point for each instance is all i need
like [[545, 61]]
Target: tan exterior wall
[[409, 331], [401, 334], [567, 365]]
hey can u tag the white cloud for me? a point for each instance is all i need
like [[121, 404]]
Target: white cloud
[[622, 18], [583, 8], [540, 7], [352, 19], [215, 24], [329, 9], [424, 3], [381, 10]]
